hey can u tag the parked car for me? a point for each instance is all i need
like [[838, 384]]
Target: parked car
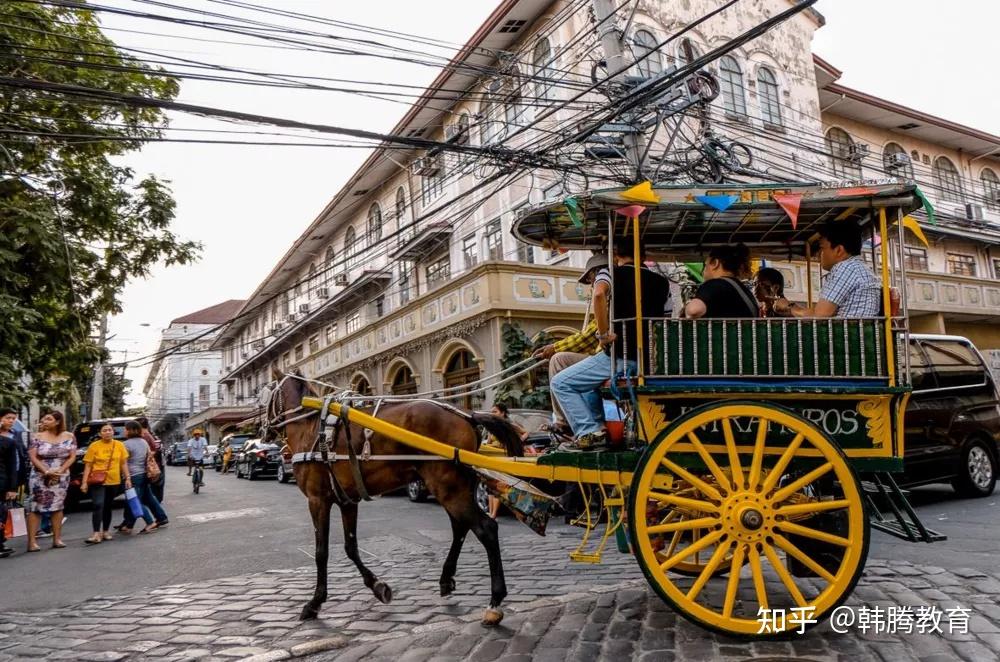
[[211, 451], [177, 453], [952, 421], [258, 458], [85, 433], [236, 441], [286, 473]]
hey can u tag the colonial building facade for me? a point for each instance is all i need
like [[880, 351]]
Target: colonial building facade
[[403, 282]]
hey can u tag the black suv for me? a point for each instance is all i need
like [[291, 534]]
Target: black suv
[[953, 417], [85, 433]]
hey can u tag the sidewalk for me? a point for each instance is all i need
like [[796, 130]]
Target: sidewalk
[[556, 610]]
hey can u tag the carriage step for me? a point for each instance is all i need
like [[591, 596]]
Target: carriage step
[[585, 557], [907, 533], [890, 512]]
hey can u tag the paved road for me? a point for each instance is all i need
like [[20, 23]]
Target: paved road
[[217, 585]]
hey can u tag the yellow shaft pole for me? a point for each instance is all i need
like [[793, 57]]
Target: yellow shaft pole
[[890, 345], [637, 269], [514, 466]]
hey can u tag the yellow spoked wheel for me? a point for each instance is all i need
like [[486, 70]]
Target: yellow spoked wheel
[[765, 498]]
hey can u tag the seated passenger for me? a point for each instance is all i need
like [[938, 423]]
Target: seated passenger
[[769, 287], [578, 387], [723, 293], [850, 289]]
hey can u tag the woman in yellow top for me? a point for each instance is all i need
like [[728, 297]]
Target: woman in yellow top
[[105, 455]]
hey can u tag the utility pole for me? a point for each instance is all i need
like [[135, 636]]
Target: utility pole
[[611, 39], [97, 394]]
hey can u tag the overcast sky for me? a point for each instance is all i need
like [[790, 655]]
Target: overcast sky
[[247, 204]]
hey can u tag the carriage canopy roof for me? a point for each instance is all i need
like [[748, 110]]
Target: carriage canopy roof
[[690, 220]]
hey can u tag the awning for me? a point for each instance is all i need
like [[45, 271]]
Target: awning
[[427, 239]]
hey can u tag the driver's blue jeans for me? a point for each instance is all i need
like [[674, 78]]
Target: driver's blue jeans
[[577, 388]]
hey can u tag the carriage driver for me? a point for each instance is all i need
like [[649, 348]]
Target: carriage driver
[[850, 289], [578, 387]]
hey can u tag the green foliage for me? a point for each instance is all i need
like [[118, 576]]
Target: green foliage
[[528, 391], [63, 200]]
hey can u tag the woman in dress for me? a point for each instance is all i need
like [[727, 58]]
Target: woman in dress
[[52, 453], [108, 456]]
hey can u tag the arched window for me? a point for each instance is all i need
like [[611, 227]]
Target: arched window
[[374, 223], [350, 247], [330, 257], [897, 162], [767, 93], [731, 83], [948, 180], [541, 60], [682, 52], [362, 386], [401, 205], [403, 382], [488, 125], [512, 103], [842, 154], [462, 369], [644, 42], [991, 187], [312, 277]]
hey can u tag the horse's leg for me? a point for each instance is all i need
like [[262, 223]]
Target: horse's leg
[[319, 508], [461, 505], [458, 531], [349, 515]]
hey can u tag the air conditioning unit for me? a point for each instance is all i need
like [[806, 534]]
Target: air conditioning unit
[[501, 86], [258, 345], [973, 212], [322, 293], [897, 160], [426, 166], [457, 133], [291, 318], [340, 280], [278, 326], [304, 308], [244, 354], [857, 151], [993, 196]]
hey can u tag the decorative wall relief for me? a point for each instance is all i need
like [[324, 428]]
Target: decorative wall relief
[[536, 289], [470, 296], [449, 305]]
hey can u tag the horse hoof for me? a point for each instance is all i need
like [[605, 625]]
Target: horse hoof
[[492, 616], [382, 592], [308, 613], [447, 588]]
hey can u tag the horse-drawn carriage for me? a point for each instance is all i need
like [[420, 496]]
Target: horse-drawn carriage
[[765, 447]]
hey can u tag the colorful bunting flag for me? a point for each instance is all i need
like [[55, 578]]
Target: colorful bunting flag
[[718, 202], [911, 224], [928, 207], [632, 211], [573, 207], [642, 192], [790, 202]]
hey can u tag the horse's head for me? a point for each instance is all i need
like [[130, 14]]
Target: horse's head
[[283, 409]]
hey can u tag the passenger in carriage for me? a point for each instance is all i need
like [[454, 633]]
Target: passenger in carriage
[[850, 288], [723, 293], [768, 288], [578, 387]]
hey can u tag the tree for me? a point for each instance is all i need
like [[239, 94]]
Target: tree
[[115, 388], [76, 225], [530, 391]]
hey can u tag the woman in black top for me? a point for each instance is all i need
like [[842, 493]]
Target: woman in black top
[[723, 293]]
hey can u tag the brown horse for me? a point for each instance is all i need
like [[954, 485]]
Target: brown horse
[[452, 484]]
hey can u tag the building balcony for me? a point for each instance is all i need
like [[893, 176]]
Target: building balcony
[[419, 244]]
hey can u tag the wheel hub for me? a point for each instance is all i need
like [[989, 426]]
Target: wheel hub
[[746, 516], [751, 519]]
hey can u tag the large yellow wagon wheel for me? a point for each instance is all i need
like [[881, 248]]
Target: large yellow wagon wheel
[[783, 512]]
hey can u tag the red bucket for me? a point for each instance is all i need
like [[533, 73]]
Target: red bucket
[[616, 433]]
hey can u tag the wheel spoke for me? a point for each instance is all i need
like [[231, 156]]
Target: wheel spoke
[[811, 507], [734, 581], [691, 549], [702, 486], [734, 458], [782, 464], [710, 462], [684, 525], [799, 530], [790, 548], [758, 577], [795, 486], [692, 504], [786, 578], [758, 454], [709, 569]]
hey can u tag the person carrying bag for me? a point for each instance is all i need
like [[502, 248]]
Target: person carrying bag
[[103, 483]]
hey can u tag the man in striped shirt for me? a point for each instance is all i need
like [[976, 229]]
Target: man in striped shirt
[[575, 348]]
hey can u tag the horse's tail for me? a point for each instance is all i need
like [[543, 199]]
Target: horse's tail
[[502, 430]]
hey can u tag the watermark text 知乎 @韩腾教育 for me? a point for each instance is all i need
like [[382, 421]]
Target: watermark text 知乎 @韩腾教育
[[920, 619]]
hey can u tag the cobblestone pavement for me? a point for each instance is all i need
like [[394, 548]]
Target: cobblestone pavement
[[556, 610]]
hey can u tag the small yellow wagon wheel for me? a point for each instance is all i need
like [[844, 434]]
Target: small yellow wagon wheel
[[669, 542], [783, 513]]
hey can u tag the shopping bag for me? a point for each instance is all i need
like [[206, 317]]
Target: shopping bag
[[15, 526], [134, 505]]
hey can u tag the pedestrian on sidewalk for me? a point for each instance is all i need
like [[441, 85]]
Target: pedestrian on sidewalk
[[104, 465], [138, 455], [157, 447], [9, 471], [52, 452]]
